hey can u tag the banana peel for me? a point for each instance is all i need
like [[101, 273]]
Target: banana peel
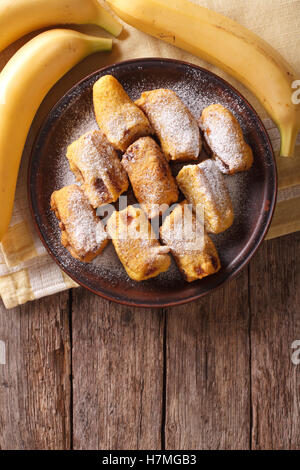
[[24, 82], [19, 17], [228, 45]]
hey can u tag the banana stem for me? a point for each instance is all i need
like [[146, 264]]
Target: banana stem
[[106, 21], [288, 140], [100, 44]]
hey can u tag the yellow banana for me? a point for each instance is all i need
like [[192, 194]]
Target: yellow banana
[[230, 46], [24, 82], [19, 17]]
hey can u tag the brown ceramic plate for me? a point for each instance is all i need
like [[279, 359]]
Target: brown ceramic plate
[[253, 193]]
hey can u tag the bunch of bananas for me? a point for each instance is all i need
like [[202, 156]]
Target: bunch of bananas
[[35, 68], [224, 43]]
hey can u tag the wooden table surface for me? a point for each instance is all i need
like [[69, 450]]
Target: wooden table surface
[[85, 373]]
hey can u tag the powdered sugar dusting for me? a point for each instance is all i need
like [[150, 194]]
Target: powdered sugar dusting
[[177, 129], [224, 137], [197, 91], [117, 127], [95, 153], [150, 176], [77, 121], [182, 231], [98, 167], [216, 186], [86, 232]]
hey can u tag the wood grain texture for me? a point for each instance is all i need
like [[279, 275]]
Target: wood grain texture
[[35, 381], [117, 375], [137, 386], [275, 325], [208, 390]]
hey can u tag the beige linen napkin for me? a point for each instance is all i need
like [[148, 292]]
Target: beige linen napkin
[[26, 270]]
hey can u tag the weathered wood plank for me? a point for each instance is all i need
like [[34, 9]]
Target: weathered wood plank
[[208, 390], [275, 325], [117, 374], [35, 381], [118, 367]]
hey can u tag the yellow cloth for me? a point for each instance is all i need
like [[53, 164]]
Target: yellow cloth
[[26, 270]]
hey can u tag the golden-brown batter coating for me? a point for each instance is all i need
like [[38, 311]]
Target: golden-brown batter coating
[[173, 123], [194, 252], [224, 136], [152, 181], [117, 116], [82, 232], [136, 244], [97, 166], [204, 184]]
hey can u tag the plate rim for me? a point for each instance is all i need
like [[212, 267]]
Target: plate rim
[[257, 242]]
